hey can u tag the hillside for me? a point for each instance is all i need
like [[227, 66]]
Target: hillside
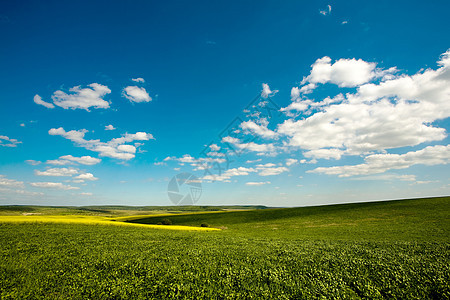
[[413, 219]]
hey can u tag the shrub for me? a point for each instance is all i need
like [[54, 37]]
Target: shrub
[[166, 222]]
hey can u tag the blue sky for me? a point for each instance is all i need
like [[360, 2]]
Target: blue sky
[[104, 102]]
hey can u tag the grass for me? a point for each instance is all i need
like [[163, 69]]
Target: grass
[[406, 220], [114, 211], [397, 249]]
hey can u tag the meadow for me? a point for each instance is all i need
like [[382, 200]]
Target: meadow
[[379, 250]]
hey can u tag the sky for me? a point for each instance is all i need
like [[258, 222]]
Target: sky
[[277, 103]]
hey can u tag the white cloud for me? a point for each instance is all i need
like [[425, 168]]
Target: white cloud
[[387, 177], [258, 129], [266, 92], [86, 176], [10, 182], [57, 172], [324, 153], [139, 79], [251, 146], [127, 148], [38, 100], [326, 11], [271, 171], [115, 148], [396, 112], [291, 161], [33, 162], [82, 98], [257, 183], [344, 72], [84, 160], [20, 192], [202, 163], [53, 185], [7, 142], [109, 127], [70, 160], [380, 163], [136, 94], [253, 161], [225, 176], [214, 147], [298, 106], [295, 94], [86, 194]]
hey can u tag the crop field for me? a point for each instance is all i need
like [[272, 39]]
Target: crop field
[[379, 250]]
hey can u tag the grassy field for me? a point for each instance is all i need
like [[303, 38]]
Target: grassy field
[[395, 249]]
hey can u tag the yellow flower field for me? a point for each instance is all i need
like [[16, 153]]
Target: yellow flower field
[[92, 220]]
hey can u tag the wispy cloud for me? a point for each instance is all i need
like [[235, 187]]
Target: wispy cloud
[[53, 185], [6, 182], [326, 11], [139, 79], [57, 172], [257, 183], [8, 142]]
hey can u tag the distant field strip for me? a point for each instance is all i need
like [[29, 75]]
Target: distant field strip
[[92, 220]]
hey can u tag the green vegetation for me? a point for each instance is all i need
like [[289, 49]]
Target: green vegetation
[[396, 249], [110, 211]]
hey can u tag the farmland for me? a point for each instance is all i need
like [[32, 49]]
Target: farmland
[[393, 249]]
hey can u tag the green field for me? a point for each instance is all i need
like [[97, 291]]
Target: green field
[[393, 249]]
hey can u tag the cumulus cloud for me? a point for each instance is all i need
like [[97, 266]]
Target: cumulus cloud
[[343, 72], [57, 172], [86, 176], [82, 98], [7, 142], [251, 146], [226, 176], [109, 127], [258, 129], [53, 185], [396, 112], [38, 100], [69, 159], [84, 160], [379, 163], [139, 79], [201, 163], [291, 161], [270, 170], [136, 94], [115, 148], [266, 92], [214, 147]]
